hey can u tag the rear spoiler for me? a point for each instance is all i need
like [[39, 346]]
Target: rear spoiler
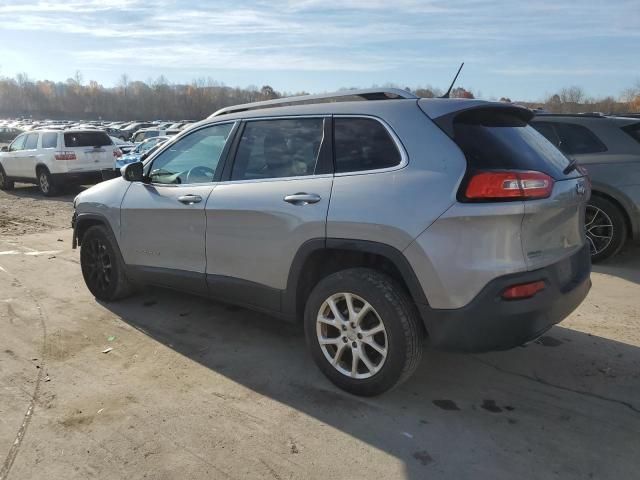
[[444, 111]]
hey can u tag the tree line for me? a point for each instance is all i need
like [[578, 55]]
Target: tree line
[[159, 99]]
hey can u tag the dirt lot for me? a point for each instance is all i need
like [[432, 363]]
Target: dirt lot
[[195, 389]]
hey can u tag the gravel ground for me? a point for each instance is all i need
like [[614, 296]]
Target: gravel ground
[[195, 389]]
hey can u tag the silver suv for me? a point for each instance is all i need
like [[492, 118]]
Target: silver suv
[[379, 223], [609, 149]]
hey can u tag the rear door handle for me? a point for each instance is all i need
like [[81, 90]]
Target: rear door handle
[[302, 198], [190, 199]]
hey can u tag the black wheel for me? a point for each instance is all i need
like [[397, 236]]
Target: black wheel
[[363, 331], [45, 182], [102, 265], [5, 183], [605, 227]]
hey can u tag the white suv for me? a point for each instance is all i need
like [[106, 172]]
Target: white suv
[[53, 158]]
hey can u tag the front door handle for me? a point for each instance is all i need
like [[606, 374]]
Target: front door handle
[[190, 199], [302, 198]]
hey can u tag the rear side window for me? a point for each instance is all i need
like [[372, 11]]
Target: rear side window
[[363, 144], [32, 142], [86, 139], [633, 130], [577, 139], [493, 140], [278, 148], [49, 140]]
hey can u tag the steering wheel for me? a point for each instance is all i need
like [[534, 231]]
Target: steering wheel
[[196, 174]]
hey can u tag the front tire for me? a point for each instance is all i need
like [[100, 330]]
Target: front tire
[[102, 266], [5, 183], [605, 227], [363, 331]]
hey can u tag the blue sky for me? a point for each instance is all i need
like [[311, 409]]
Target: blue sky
[[523, 50]]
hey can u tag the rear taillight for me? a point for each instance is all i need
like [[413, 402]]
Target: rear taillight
[[524, 290], [117, 153], [508, 185], [65, 156]]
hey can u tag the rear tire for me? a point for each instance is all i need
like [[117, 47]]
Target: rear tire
[[5, 183], [383, 359], [45, 182], [103, 268], [605, 227]]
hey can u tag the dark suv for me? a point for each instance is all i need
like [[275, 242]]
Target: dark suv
[[609, 149]]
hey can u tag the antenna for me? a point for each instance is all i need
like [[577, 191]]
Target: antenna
[[446, 95]]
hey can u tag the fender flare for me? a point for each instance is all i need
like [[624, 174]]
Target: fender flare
[[80, 218], [395, 256]]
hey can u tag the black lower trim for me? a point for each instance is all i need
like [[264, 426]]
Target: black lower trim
[[489, 322], [243, 292], [183, 280]]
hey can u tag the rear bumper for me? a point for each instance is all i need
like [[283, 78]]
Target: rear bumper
[[489, 322], [77, 177]]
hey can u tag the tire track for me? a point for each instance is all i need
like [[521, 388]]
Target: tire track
[[15, 447]]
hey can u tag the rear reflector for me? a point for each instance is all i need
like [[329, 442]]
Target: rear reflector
[[524, 290], [506, 185], [117, 153], [65, 156]]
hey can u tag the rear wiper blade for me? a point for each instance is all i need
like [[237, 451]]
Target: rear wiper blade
[[571, 167]]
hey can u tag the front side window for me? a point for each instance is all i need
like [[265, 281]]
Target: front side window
[[49, 140], [18, 144], [192, 159], [32, 142], [363, 144], [278, 148], [577, 139]]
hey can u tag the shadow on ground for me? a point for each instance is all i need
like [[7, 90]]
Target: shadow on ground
[[534, 412], [625, 264], [67, 193]]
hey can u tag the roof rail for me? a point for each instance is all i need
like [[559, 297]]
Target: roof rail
[[368, 94]]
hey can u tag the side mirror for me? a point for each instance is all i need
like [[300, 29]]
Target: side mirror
[[4, 149], [133, 172]]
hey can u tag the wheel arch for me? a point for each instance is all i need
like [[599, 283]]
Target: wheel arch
[[84, 221], [320, 257], [41, 166], [633, 229]]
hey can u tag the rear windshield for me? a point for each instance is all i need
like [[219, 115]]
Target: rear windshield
[[86, 139], [494, 140], [633, 130]]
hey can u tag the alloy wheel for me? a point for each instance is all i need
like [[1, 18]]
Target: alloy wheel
[[98, 264], [599, 229], [352, 336], [44, 182]]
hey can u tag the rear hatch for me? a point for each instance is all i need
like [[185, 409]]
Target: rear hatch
[[93, 150], [509, 161]]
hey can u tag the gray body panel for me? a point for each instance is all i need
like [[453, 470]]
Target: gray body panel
[[253, 234], [158, 231]]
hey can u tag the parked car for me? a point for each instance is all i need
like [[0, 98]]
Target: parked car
[[451, 220], [123, 145], [144, 147], [7, 134], [52, 158], [145, 133], [609, 149], [127, 131]]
